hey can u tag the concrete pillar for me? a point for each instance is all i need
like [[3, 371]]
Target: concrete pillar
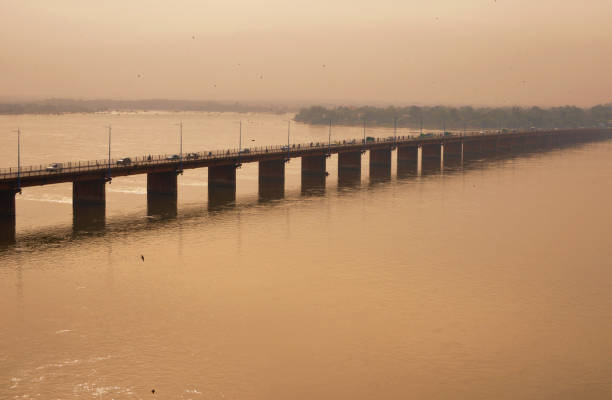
[[431, 157], [7, 216], [380, 164], [221, 185], [313, 173], [271, 179], [88, 204], [349, 168], [162, 194]]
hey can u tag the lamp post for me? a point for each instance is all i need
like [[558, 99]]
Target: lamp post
[[180, 124], [108, 177], [18, 160], [329, 140], [288, 139], [238, 164], [395, 130], [364, 131]]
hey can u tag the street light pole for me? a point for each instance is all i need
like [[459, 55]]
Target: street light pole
[[329, 140], [181, 146], [239, 145], [18, 160], [395, 130], [108, 178], [364, 131], [288, 138]]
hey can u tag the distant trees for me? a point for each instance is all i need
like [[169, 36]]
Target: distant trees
[[461, 117]]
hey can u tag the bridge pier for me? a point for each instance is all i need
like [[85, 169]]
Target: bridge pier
[[380, 164], [162, 193], [88, 204], [407, 160], [221, 185], [431, 157], [349, 168], [313, 173], [272, 179], [7, 216]]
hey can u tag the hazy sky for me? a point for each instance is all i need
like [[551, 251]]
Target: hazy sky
[[354, 51]]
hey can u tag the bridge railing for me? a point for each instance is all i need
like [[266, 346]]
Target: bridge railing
[[235, 153]]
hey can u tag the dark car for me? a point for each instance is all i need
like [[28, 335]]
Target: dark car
[[173, 157], [192, 156], [124, 161]]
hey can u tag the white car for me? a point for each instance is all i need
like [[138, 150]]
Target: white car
[[55, 167]]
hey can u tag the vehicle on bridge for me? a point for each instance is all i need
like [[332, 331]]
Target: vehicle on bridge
[[173, 157], [55, 167], [192, 156], [124, 161], [244, 151]]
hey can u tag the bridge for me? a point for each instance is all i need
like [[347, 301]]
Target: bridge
[[89, 178]]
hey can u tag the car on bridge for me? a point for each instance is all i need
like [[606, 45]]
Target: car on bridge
[[192, 156], [55, 167], [173, 157], [124, 161]]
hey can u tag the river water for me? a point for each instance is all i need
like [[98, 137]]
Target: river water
[[490, 281]]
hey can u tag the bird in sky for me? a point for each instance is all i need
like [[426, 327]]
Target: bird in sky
[[142, 257], [153, 391]]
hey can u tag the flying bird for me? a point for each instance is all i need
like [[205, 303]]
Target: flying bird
[[153, 391], [142, 257]]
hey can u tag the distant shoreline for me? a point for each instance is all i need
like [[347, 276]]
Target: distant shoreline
[[457, 118], [68, 106]]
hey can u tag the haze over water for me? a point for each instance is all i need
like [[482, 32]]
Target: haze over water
[[490, 281]]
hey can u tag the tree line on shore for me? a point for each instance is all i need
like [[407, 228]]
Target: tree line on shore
[[457, 118]]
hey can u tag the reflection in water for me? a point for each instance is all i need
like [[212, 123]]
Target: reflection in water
[[407, 168], [349, 177], [430, 166], [88, 218], [313, 184], [221, 197], [269, 191], [164, 206], [380, 173]]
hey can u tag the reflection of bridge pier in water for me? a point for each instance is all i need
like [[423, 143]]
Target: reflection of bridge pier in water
[[380, 165], [89, 178], [271, 179], [88, 205], [314, 174], [349, 169]]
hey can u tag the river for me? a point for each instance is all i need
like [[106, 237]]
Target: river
[[488, 281]]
